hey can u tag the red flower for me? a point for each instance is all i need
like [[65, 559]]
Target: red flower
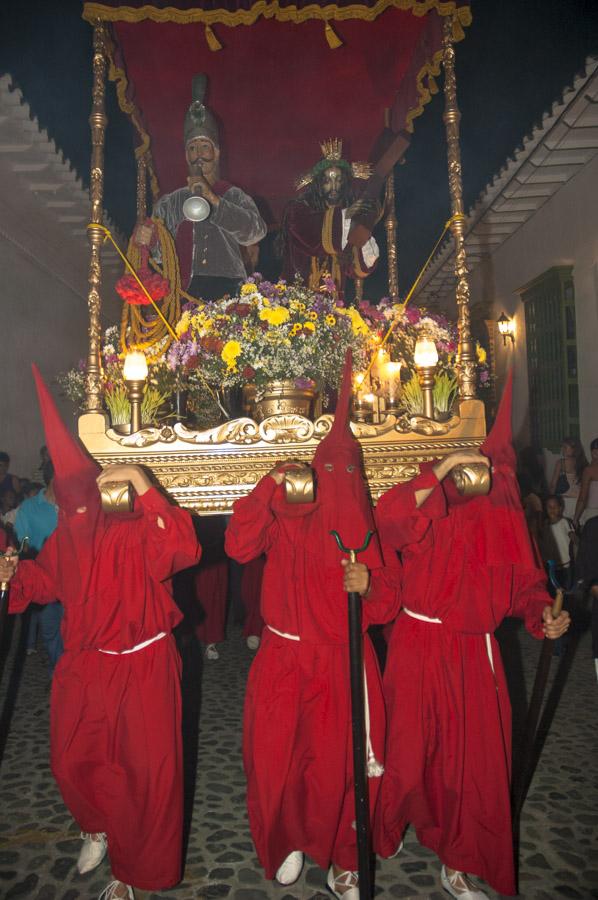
[[129, 289], [248, 372], [212, 344], [240, 309]]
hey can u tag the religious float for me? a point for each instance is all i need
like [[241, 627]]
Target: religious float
[[257, 365]]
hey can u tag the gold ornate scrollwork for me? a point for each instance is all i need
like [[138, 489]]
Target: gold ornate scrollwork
[[288, 429], [425, 426], [144, 438], [237, 431]]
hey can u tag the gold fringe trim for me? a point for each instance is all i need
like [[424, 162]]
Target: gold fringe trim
[[269, 9], [119, 77]]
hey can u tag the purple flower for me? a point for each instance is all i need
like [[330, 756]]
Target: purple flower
[[189, 306], [267, 289], [413, 315], [303, 383]]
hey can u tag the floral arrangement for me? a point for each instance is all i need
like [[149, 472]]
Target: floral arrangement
[[270, 332], [162, 383], [412, 323], [274, 332]]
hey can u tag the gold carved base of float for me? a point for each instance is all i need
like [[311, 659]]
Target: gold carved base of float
[[208, 470]]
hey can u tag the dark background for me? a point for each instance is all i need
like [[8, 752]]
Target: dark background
[[515, 61]]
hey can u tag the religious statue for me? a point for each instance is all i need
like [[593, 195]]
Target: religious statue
[[211, 220], [319, 230]]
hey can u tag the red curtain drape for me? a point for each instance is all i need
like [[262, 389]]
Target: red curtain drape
[[277, 88]]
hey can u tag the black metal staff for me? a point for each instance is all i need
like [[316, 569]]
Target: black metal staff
[[535, 704], [360, 780]]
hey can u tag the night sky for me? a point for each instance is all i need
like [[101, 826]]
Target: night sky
[[517, 57]]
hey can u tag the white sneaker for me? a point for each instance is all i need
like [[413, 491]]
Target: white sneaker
[[290, 869], [460, 886], [348, 880], [253, 641], [109, 892], [92, 852], [212, 652]]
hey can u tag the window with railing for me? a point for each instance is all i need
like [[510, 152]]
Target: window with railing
[[549, 304]]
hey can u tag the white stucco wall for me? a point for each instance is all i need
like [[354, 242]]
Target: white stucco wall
[[44, 320], [563, 232]]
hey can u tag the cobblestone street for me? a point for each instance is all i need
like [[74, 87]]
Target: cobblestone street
[[39, 842]]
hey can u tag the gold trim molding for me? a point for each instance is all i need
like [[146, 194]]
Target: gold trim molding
[[206, 471]]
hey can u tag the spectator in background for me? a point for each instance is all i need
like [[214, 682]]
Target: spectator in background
[[566, 477], [532, 486], [7, 481], [587, 503], [556, 537], [36, 519]]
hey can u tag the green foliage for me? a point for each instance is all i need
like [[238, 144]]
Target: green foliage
[[445, 392], [413, 398]]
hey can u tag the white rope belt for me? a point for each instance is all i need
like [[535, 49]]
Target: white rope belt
[[137, 647], [375, 769], [282, 634], [423, 618]]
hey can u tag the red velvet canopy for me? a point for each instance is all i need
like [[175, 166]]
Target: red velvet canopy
[[282, 77]]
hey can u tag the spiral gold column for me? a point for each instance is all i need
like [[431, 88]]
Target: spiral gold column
[[466, 360], [97, 121], [141, 187], [390, 225]]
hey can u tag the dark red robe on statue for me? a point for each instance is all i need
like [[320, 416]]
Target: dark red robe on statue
[[115, 715], [297, 746], [448, 756]]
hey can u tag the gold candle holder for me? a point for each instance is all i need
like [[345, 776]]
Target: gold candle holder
[[135, 373], [426, 359]]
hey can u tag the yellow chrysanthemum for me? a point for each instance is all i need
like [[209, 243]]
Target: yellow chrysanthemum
[[275, 316], [357, 323], [229, 354], [183, 324], [248, 288], [280, 287], [481, 354], [310, 326]]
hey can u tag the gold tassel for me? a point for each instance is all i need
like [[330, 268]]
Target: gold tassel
[[458, 33], [332, 37], [213, 42]]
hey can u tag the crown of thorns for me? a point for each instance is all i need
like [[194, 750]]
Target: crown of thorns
[[332, 150]]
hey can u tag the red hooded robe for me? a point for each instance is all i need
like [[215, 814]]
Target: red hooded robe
[[297, 723], [448, 758], [115, 715]]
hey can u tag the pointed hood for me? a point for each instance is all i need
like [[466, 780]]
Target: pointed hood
[[496, 523], [75, 471], [341, 491], [498, 445]]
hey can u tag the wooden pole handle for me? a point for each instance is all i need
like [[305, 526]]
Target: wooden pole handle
[[557, 606]]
